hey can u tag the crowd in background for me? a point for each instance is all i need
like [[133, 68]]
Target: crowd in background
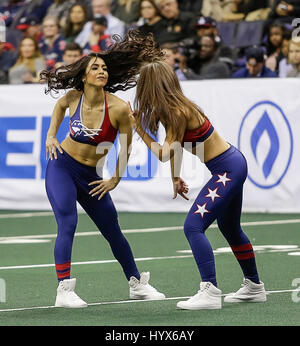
[[202, 39]]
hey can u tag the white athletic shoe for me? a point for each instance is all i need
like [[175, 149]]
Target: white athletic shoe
[[66, 297], [249, 292], [140, 289], [208, 297]]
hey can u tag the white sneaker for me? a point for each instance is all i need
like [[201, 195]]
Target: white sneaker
[[208, 297], [66, 297], [250, 292], [140, 289]]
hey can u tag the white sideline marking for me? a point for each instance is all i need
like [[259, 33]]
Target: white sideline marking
[[92, 262], [155, 229], [128, 301]]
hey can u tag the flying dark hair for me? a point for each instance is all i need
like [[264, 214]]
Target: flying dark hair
[[123, 60]]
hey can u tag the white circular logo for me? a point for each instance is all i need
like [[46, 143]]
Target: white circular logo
[[266, 140]]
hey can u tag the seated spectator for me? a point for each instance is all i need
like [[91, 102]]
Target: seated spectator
[[29, 63], [178, 62], [217, 9], [98, 40], [274, 45], [16, 10], [154, 23], [191, 6], [30, 27], [180, 25], [249, 10], [127, 11], [7, 60], [9, 9], [294, 59], [60, 9], [285, 10], [284, 66], [72, 53], [114, 25], [255, 65], [76, 20], [206, 62], [207, 26], [52, 43]]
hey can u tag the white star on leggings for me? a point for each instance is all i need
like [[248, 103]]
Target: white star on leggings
[[201, 209], [212, 194], [223, 179]]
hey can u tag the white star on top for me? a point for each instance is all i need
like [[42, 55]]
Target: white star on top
[[223, 179], [213, 194], [201, 209]]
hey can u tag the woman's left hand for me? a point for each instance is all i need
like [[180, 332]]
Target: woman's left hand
[[103, 186], [131, 115]]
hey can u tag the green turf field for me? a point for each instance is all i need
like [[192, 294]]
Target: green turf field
[[28, 279]]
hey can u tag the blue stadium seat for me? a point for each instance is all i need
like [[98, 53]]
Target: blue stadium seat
[[227, 32], [249, 33], [14, 37]]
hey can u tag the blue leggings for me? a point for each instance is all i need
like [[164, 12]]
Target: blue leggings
[[221, 199], [67, 182]]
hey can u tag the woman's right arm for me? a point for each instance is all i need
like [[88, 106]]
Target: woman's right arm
[[57, 117]]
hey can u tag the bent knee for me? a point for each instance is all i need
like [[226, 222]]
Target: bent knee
[[190, 227]]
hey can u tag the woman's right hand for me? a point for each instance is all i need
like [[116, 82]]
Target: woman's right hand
[[180, 187], [51, 145]]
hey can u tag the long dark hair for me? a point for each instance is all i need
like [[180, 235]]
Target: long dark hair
[[123, 60]]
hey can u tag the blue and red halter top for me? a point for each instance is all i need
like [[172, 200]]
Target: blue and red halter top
[[82, 134]]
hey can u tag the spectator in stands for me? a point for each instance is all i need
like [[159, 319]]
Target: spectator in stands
[[153, 20], [16, 10], [207, 26], [114, 25], [284, 66], [255, 65], [61, 9], [178, 62], [249, 10], [191, 6], [98, 40], [72, 53], [76, 20], [52, 43], [276, 33], [127, 11], [180, 25], [206, 62], [30, 27], [285, 10], [29, 63], [7, 60], [217, 9], [294, 58]]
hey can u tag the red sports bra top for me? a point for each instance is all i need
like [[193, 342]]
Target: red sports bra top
[[198, 135]]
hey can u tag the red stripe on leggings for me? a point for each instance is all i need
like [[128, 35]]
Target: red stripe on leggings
[[244, 256], [63, 266], [63, 275], [244, 247]]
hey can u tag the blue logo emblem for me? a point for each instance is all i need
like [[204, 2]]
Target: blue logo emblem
[[266, 140]]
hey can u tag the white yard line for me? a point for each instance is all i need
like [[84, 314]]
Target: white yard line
[[128, 301], [154, 229]]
